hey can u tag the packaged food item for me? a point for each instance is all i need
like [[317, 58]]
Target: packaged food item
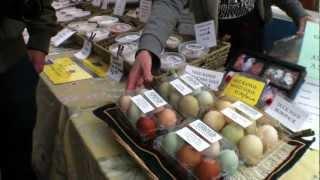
[[198, 152], [174, 41], [282, 75], [148, 114], [129, 37], [128, 51], [172, 61], [192, 50], [100, 34], [118, 28], [186, 94], [104, 20]]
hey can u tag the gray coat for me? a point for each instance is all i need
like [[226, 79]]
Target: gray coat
[[165, 14]]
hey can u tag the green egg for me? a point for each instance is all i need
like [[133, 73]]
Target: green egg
[[229, 161], [134, 113], [233, 133], [189, 106], [164, 90], [171, 143]]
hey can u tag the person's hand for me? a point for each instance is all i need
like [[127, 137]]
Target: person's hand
[[140, 73], [37, 58], [302, 24]]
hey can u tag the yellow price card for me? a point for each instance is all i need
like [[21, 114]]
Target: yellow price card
[[245, 89], [64, 70], [98, 67]]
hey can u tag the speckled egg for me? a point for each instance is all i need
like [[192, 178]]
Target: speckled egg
[[205, 99], [167, 118], [134, 113], [251, 149], [171, 143], [213, 151], [229, 161], [215, 120], [164, 89], [269, 136], [208, 169], [189, 106], [233, 133], [124, 102], [189, 157]]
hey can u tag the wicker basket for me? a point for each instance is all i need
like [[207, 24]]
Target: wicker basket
[[216, 58]]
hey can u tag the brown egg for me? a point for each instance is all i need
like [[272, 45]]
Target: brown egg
[[167, 118], [208, 169], [124, 102], [189, 157], [222, 104]]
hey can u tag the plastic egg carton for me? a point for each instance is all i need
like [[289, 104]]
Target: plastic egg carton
[[249, 129], [148, 114], [186, 94], [196, 151]]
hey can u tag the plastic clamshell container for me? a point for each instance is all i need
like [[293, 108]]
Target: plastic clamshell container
[[128, 37], [192, 50], [172, 61]]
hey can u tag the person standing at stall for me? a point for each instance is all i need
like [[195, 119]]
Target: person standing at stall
[[20, 64], [243, 20]]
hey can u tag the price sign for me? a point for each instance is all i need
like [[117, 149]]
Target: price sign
[[205, 34], [287, 113], [119, 7], [116, 70], [62, 36]]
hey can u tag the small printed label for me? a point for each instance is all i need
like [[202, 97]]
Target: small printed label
[[85, 50], [180, 87], [191, 138], [62, 36], [145, 10], [116, 69], [205, 34], [119, 7], [205, 131], [191, 81], [142, 104], [155, 98], [247, 110], [287, 113], [209, 78], [236, 117]]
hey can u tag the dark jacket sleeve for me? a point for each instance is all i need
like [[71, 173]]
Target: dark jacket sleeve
[[164, 17], [42, 28], [293, 8]]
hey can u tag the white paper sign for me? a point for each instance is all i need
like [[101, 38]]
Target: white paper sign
[[62, 36], [105, 4], [247, 110], [181, 87], [145, 10], [236, 117], [119, 7], [205, 34], [211, 79], [205, 131], [116, 69], [191, 138], [142, 104], [287, 113], [155, 98], [191, 81], [85, 50]]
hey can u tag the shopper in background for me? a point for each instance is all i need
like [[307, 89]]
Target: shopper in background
[[20, 64], [243, 20]]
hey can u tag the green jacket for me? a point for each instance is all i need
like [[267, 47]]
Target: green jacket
[[40, 27], [165, 14]]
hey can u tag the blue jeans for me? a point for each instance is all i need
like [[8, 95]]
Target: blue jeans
[[18, 117]]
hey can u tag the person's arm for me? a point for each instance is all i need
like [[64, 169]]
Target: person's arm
[[164, 17], [296, 11], [40, 29]]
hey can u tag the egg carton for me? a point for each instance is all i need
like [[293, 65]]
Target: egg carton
[[148, 114], [196, 151]]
